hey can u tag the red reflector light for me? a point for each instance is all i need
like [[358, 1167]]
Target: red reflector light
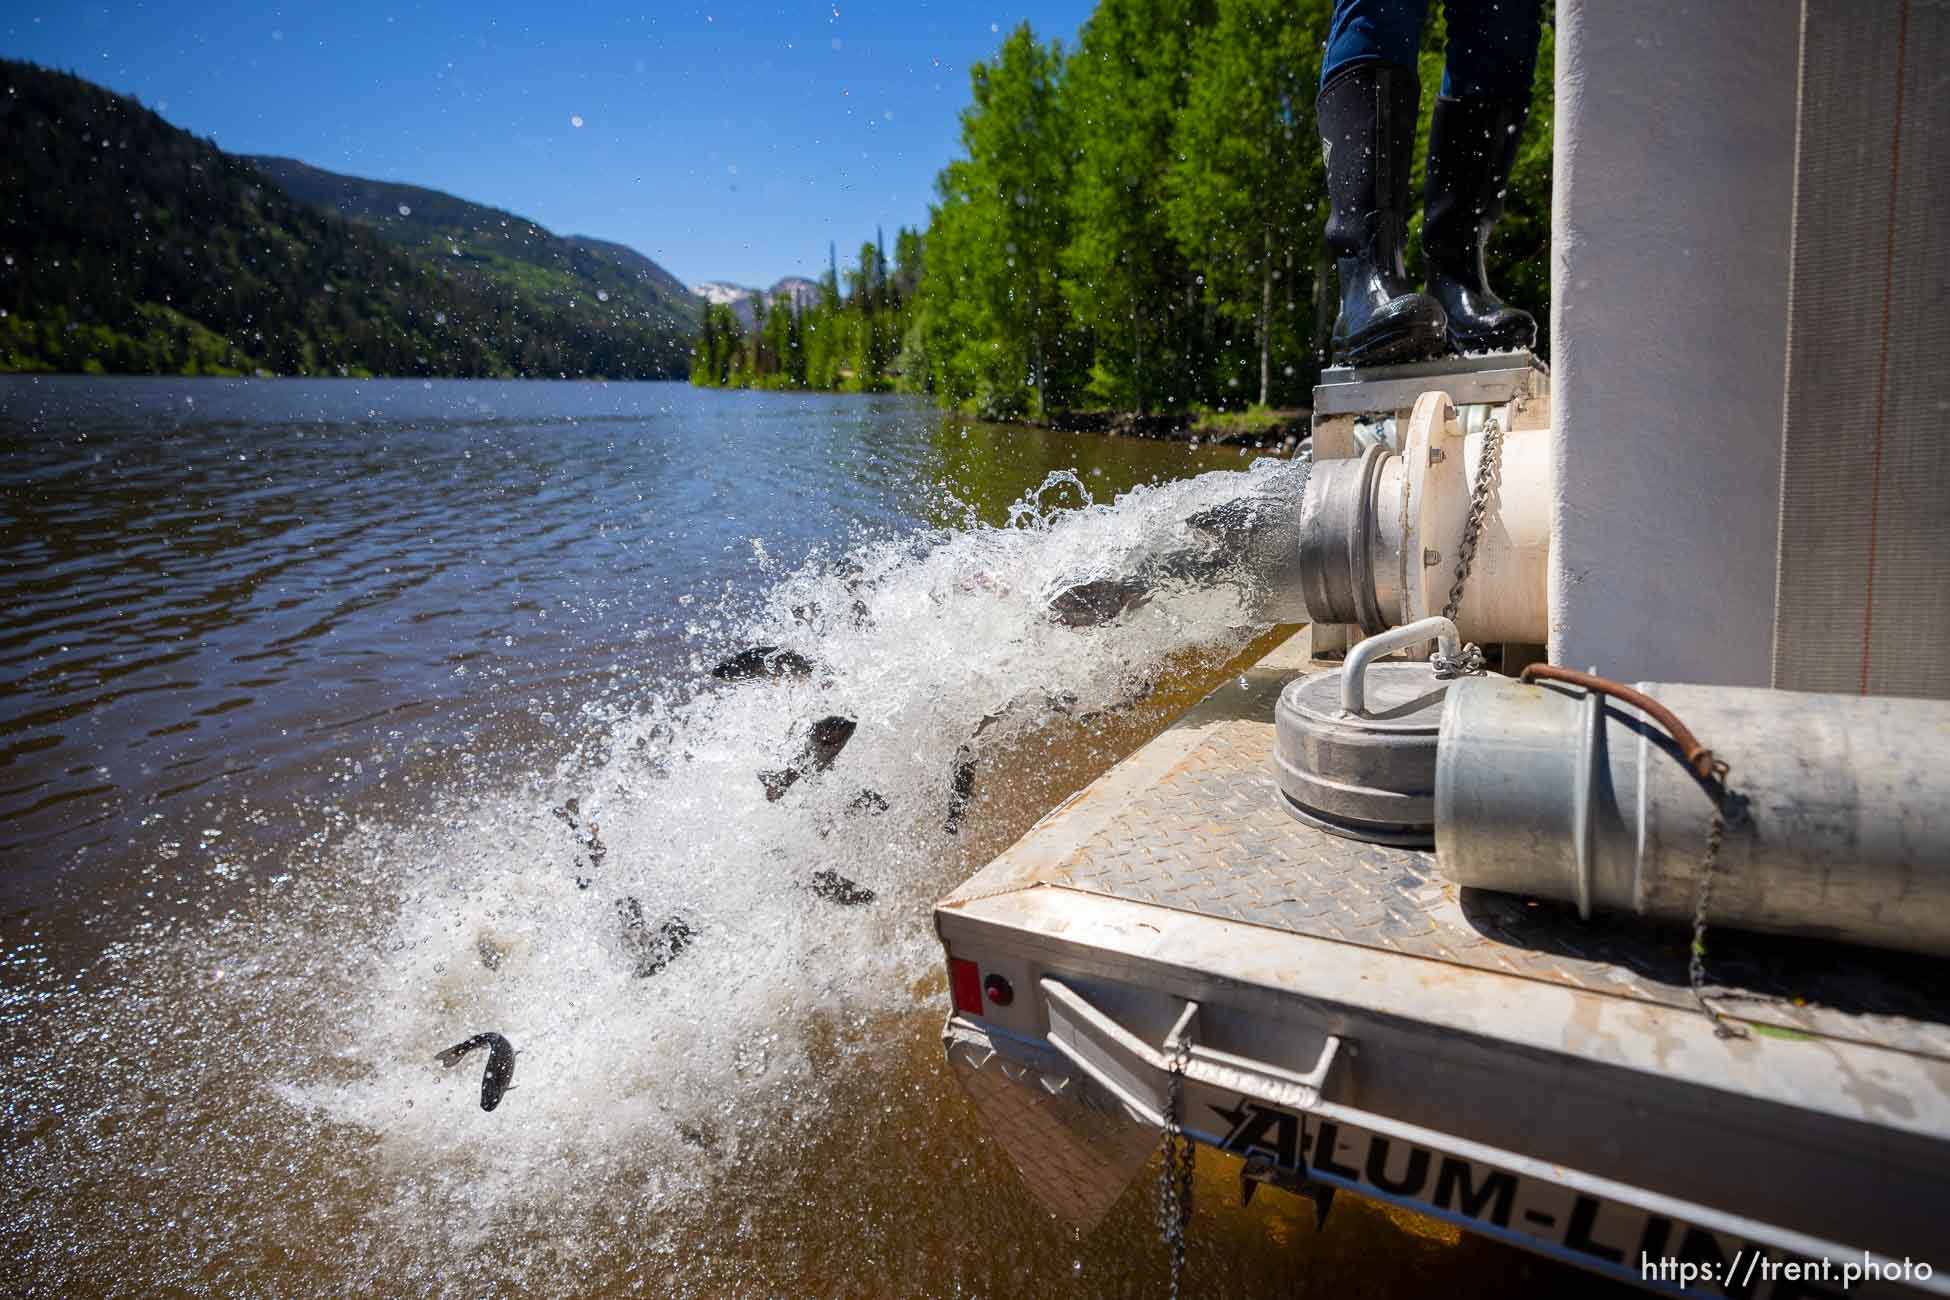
[[965, 986]]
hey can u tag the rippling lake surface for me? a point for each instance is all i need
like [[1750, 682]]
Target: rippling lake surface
[[341, 721], [212, 581]]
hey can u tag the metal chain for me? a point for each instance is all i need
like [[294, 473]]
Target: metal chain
[[1716, 830], [1175, 1174], [1479, 505], [1487, 468], [1469, 661]]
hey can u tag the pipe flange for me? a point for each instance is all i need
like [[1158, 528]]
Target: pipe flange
[[1335, 567], [1367, 610]]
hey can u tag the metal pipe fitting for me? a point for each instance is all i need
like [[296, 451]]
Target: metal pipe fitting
[[1379, 533]]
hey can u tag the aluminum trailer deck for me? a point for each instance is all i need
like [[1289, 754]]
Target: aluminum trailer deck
[[1345, 1018]]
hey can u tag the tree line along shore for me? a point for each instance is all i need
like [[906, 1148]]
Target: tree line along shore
[[1131, 235]]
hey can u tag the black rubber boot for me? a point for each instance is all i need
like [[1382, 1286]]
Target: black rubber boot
[[1367, 139], [1472, 143]]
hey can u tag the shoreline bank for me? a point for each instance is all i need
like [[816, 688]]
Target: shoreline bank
[[1279, 430]]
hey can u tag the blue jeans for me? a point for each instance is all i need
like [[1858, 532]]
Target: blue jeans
[[1492, 43]]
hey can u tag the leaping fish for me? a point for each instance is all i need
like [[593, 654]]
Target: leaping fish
[[500, 1065]]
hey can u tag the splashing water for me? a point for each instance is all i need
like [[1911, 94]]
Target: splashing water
[[285, 1049]]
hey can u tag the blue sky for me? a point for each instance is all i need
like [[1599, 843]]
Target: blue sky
[[726, 140]]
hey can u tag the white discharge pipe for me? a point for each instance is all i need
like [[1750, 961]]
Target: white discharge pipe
[[1380, 534]]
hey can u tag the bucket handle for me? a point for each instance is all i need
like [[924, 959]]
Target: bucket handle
[[1354, 687]]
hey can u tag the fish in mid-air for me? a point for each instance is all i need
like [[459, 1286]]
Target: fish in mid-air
[[835, 888], [763, 661], [828, 738], [1249, 543], [651, 949], [500, 1070], [1099, 601]]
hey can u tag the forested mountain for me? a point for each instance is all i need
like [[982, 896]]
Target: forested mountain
[[646, 271], [131, 246], [497, 248]]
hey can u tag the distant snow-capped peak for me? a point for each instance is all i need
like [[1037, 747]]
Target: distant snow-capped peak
[[797, 290], [800, 292], [718, 292]]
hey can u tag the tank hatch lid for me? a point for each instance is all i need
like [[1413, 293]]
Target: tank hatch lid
[[1360, 762]]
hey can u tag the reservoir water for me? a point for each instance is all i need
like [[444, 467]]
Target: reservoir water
[[340, 721]]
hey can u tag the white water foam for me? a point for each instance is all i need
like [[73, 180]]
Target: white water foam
[[493, 914]]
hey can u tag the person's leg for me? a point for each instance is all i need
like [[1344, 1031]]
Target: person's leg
[[1492, 50], [1473, 136], [1372, 31], [1369, 101]]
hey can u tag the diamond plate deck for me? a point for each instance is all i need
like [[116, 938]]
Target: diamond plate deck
[[1193, 822]]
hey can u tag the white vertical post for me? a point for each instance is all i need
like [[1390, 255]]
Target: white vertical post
[[1671, 207]]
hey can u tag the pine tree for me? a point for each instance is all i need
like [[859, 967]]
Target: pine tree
[[1137, 225]]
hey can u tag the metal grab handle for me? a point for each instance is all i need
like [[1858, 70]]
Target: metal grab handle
[[1134, 1072], [1354, 687]]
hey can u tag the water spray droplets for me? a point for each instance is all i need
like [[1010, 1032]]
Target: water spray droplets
[[670, 983]]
